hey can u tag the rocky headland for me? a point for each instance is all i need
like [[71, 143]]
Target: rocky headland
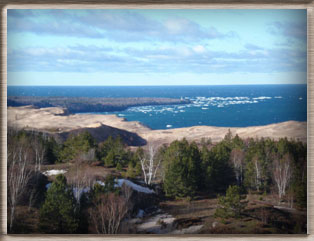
[[90, 104]]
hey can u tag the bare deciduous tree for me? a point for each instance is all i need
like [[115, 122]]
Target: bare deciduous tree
[[282, 174], [87, 156], [83, 178], [39, 154], [39, 151], [150, 165], [19, 174], [237, 157], [108, 212], [257, 167]]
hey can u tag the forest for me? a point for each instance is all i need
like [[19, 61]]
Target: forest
[[81, 186]]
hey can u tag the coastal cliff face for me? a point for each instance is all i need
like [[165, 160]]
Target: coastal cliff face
[[85, 104], [56, 120]]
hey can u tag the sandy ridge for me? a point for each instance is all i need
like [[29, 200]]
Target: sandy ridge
[[55, 119]]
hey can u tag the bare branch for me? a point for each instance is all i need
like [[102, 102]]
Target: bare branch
[[149, 166]]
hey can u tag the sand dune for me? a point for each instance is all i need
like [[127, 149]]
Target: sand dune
[[56, 119]]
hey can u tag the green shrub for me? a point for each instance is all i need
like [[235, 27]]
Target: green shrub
[[231, 205], [131, 172], [119, 167]]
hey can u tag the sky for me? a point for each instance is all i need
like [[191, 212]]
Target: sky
[[156, 47]]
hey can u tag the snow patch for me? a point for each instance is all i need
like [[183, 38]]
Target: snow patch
[[134, 186], [54, 172], [189, 230], [154, 224], [130, 184], [140, 213], [79, 191]]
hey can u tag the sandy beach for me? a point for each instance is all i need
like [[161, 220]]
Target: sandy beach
[[55, 119]]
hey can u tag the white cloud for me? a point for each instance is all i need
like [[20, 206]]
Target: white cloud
[[175, 26], [199, 49]]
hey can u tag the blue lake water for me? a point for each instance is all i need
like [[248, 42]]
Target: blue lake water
[[228, 106]]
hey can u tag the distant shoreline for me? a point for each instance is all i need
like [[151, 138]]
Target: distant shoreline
[[91, 104]]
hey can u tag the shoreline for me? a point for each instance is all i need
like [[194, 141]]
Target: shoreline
[[56, 120], [91, 104]]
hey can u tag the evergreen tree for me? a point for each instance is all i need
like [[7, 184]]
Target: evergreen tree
[[119, 167], [57, 214], [76, 145], [232, 204], [237, 142], [108, 187], [182, 166], [112, 151], [217, 171], [53, 150], [132, 171]]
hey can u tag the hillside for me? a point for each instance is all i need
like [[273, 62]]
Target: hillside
[[56, 120]]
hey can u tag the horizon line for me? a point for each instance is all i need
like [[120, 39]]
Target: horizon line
[[144, 85]]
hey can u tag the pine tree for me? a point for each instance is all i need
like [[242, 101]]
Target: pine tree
[[112, 151], [216, 169], [119, 167], [57, 214], [231, 205], [76, 145], [182, 165], [131, 171]]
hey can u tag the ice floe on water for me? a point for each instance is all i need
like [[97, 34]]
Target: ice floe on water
[[262, 98], [201, 102], [225, 101]]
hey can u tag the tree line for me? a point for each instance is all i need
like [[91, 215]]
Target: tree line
[[254, 165], [182, 169]]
